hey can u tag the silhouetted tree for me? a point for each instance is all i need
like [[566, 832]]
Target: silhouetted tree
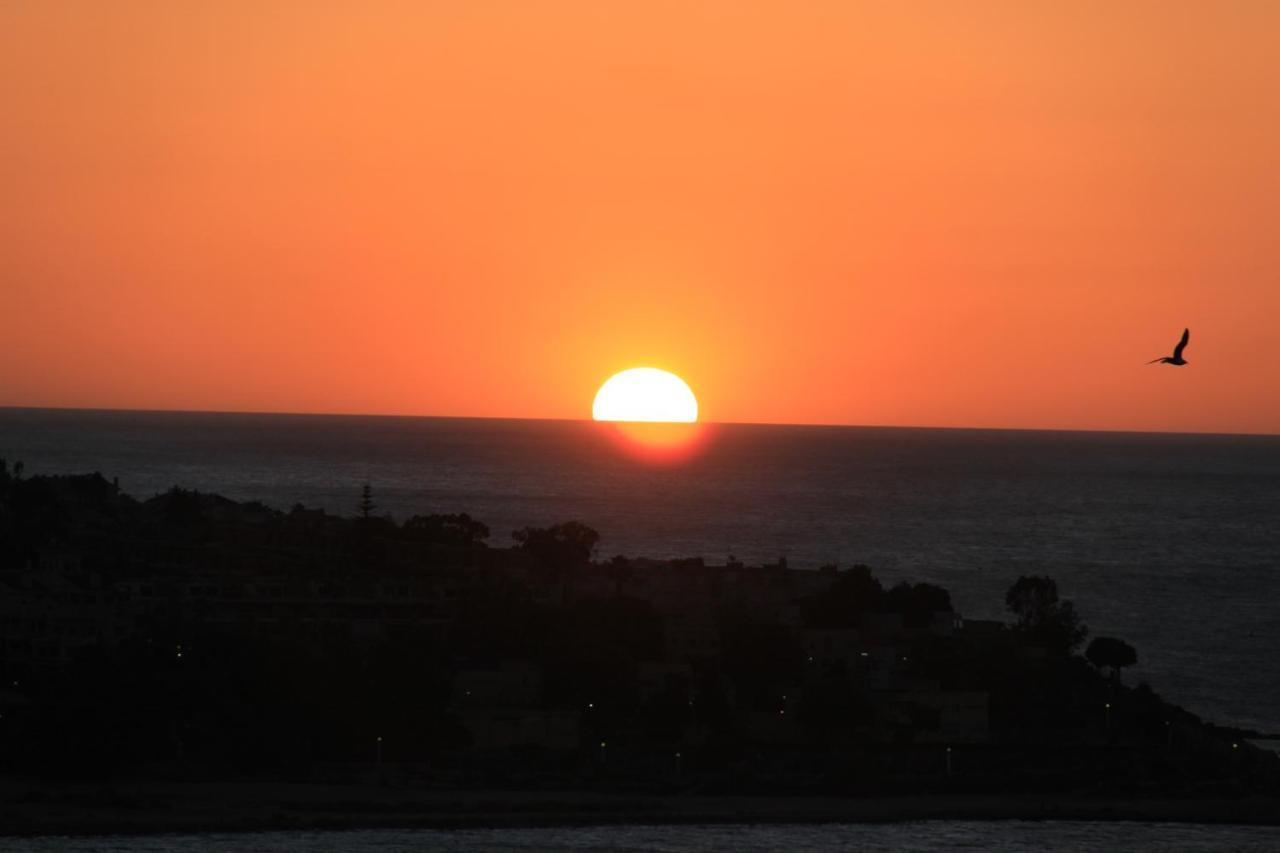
[[366, 505], [367, 537], [35, 514], [559, 546], [456, 530], [1042, 617], [180, 507], [1111, 652], [851, 594], [917, 603]]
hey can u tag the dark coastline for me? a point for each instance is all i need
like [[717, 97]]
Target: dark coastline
[[217, 695], [164, 808], [1063, 504]]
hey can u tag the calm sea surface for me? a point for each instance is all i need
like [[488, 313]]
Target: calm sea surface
[[1009, 836], [1170, 541]]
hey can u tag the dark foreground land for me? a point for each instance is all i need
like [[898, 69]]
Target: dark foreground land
[[191, 663], [144, 808]]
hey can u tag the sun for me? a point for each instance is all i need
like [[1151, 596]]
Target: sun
[[645, 394]]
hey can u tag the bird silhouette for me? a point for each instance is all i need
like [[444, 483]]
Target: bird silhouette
[[1176, 359]]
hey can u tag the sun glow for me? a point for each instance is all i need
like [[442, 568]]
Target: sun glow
[[645, 394], [651, 415]]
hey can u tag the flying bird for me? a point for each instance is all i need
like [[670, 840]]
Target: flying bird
[[1176, 359]]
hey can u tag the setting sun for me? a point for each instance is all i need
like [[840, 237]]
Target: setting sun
[[645, 394]]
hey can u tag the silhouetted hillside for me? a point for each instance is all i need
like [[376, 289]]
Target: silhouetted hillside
[[192, 636]]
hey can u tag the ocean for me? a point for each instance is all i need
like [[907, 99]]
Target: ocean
[[1171, 542], [911, 837]]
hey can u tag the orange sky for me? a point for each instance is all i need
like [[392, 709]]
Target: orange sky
[[953, 214]]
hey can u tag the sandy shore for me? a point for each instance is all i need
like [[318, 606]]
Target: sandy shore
[[141, 808]]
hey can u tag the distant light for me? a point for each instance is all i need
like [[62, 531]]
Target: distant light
[[603, 744], [1235, 746], [591, 704], [1107, 706]]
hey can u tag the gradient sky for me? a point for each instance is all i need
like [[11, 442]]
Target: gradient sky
[[951, 214]]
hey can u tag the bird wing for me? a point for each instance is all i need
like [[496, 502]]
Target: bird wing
[[1177, 351]]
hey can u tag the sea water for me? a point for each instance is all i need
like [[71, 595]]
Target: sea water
[[911, 837]]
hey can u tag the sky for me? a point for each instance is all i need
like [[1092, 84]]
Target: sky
[[982, 214]]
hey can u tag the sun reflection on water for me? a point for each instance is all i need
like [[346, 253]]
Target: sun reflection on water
[[658, 443]]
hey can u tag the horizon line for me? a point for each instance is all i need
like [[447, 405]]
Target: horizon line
[[115, 409]]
